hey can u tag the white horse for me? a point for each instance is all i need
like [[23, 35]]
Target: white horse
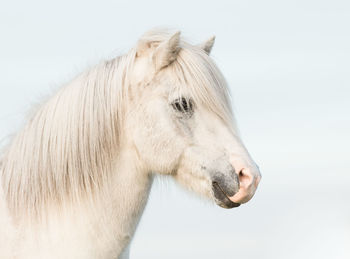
[[75, 180]]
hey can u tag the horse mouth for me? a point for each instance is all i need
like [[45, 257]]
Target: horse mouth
[[221, 197]]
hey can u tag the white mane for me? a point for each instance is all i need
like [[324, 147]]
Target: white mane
[[65, 151]]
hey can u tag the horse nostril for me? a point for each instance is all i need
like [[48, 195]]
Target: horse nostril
[[245, 178]]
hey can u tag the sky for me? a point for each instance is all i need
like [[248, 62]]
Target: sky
[[287, 64]]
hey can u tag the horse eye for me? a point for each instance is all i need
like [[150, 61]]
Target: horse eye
[[183, 105]]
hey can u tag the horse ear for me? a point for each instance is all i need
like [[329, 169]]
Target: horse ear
[[141, 46], [207, 45], [167, 51]]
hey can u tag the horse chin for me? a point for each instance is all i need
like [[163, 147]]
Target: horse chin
[[221, 197]]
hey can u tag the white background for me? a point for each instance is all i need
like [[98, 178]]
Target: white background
[[287, 63]]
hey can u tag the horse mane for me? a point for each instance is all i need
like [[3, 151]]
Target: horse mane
[[65, 151]]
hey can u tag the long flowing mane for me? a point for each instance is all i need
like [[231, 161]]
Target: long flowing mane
[[67, 148]]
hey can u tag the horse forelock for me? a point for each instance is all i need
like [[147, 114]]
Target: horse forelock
[[196, 70]]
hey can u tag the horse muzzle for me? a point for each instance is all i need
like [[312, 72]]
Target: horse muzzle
[[224, 187], [232, 189], [249, 178]]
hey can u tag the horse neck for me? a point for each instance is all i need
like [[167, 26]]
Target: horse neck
[[106, 226], [123, 202], [111, 186], [130, 187], [127, 195]]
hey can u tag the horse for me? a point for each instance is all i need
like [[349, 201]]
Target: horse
[[76, 179]]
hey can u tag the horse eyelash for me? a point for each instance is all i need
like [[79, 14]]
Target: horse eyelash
[[183, 105]]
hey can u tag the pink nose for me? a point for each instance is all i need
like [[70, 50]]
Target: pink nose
[[249, 179]]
